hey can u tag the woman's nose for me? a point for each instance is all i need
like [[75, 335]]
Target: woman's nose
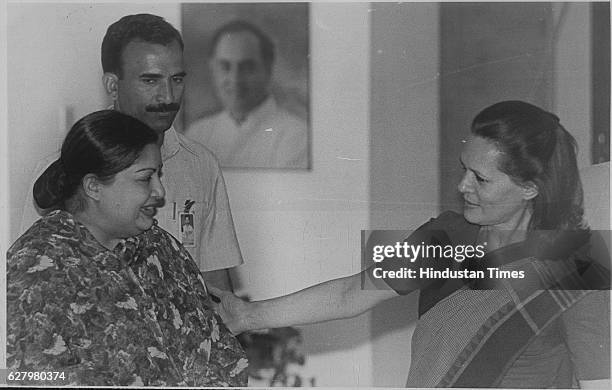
[[464, 184], [158, 188]]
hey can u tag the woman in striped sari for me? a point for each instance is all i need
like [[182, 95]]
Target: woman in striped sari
[[544, 324]]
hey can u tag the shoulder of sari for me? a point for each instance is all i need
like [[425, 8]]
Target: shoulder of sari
[[568, 260], [57, 236], [448, 220], [450, 227], [593, 260], [55, 271], [57, 225]]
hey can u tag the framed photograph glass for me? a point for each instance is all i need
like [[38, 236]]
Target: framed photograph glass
[[248, 93]]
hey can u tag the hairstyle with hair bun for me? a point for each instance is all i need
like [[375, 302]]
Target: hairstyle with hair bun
[[102, 143], [536, 148]]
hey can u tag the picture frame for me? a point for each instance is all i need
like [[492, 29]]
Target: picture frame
[[277, 137]]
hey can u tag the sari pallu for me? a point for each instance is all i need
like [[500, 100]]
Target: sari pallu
[[471, 332], [137, 315]]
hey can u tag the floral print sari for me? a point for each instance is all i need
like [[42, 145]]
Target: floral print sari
[[137, 315]]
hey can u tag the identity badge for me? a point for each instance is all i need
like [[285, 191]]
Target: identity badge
[[186, 229]]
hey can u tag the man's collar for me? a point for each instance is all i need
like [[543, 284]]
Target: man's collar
[[171, 144], [173, 141]]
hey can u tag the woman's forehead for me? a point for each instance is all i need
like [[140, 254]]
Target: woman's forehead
[[480, 152], [150, 156]]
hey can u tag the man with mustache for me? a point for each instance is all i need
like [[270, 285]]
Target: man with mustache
[[142, 60]]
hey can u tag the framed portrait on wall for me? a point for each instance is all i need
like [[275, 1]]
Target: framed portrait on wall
[[247, 99]]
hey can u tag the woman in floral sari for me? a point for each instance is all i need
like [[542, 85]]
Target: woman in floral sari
[[546, 326], [97, 293]]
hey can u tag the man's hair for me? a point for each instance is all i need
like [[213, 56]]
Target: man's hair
[[141, 27], [235, 26]]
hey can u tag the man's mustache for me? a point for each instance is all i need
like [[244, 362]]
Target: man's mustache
[[162, 107]]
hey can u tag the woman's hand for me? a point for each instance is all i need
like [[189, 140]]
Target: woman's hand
[[232, 309], [331, 300]]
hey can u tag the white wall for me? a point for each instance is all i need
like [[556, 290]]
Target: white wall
[[404, 173], [299, 228]]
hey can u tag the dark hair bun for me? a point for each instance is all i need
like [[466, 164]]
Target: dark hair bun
[[50, 187], [102, 143]]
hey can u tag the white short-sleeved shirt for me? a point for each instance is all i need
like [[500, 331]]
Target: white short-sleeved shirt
[[190, 174], [270, 137]]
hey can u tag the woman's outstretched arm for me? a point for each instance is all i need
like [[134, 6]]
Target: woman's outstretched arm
[[331, 300]]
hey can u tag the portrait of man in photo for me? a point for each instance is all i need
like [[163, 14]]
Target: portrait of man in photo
[[256, 122]]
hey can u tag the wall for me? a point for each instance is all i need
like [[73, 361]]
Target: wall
[[404, 182], [299, 228], [489, 52], [600, 81], [572, 89], [537, 52]]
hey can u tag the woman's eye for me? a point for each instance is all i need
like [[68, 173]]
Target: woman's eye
[[480, 179]]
